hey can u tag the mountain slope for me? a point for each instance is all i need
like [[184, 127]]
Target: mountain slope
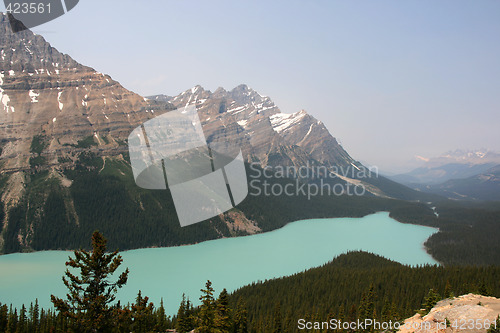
[[45, 91], [52, 107]]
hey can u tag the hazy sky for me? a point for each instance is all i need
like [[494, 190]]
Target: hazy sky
[[390, 79]]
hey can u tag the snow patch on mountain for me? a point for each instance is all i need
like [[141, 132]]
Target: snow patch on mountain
[[283, 121], [33, 95], [61, 105], [4, 98], [238, 109], [242, 123]]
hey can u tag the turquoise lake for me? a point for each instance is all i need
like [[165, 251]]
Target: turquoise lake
[[229, 263]]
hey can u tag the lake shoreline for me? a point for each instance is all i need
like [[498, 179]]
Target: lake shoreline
[[232, 237], [169, 272]]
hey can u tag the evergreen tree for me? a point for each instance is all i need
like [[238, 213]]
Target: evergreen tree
[[277, 327], [341, 312], [395, 313], [289, 323], [21, 326], [12, 321], [340, 316], [61, 322], [43, 321], [430, 300], [142, 315], [4, 317], [353, 315], [495, 327], [367, 306], [240, 318], [181, 316], [122, 318], [190, 315], [448, 293], [91, 293], [385, 315], [161, 318], [222, 319], [483, 289], [34, 314], [207, 309], [184, 317]]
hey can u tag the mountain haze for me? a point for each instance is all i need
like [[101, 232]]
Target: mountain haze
[[456, 164], [483, 186]]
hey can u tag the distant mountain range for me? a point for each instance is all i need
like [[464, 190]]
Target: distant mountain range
[[451, 165], [460, 174], [482, 186], [478, 156]]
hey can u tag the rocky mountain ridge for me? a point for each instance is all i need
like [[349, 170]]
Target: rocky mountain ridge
[[45, 92], [257, 125]]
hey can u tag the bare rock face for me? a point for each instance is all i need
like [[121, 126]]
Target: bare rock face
[[45, 92], [467, 313]]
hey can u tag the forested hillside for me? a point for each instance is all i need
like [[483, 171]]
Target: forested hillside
[[468, 231], [358, 285], [103, 195]]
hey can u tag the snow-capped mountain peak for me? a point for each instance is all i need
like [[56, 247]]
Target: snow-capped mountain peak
[[252, 120]]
